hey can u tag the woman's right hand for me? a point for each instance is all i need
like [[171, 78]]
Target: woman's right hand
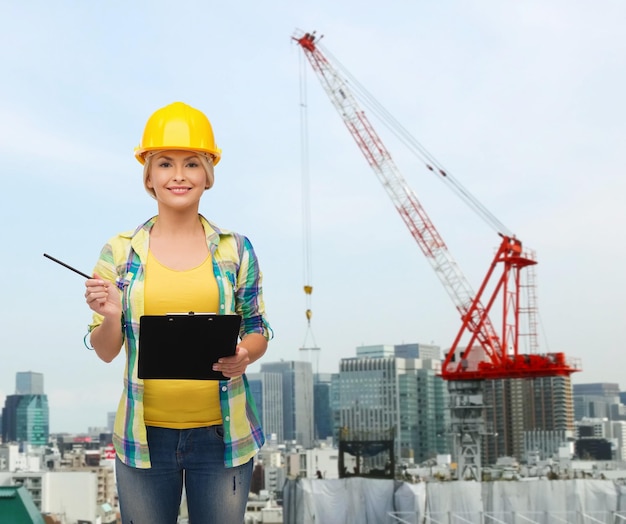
[[103, 297]]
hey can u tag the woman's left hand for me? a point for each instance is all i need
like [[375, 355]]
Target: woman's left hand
[[235, 365]]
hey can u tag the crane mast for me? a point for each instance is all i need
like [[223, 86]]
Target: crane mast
[[487, 354]]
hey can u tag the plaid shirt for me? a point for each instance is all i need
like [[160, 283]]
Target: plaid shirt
[[122, 260]]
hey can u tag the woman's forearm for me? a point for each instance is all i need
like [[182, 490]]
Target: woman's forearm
[[107, 339], [256, 344]]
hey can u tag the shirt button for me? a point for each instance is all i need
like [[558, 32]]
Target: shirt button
[[224, 388], [222, 306], [227, 418]]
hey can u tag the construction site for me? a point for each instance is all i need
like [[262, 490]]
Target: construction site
[[493, 362]]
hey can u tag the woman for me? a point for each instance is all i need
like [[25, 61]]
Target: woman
[[202, 434]]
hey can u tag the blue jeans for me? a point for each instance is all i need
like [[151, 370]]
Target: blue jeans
[[194, 457]]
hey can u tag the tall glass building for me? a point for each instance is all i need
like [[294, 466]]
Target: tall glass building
[[297, 387], [323, 416], [26, 415], [376, 393], [28, 383], [267, 391], [598, 400], [26, 418]]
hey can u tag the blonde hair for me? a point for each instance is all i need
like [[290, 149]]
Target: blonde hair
[[206, 160]]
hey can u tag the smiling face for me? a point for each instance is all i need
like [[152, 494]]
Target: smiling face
[[177, 178]]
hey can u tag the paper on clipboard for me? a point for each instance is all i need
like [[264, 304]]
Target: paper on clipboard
[[185, 346]]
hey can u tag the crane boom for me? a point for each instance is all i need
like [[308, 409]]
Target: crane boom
[[499, 357]]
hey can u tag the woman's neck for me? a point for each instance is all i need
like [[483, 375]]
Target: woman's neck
[[179, 224], [179, 241]]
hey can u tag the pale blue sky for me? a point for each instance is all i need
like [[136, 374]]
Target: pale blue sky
[[522, 101]]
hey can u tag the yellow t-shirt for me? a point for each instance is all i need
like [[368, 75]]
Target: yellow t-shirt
[[170, 403]]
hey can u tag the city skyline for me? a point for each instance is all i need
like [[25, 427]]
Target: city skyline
[[521, 102], [104, 419]]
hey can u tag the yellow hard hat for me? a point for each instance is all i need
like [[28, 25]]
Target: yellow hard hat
[[178, 126]]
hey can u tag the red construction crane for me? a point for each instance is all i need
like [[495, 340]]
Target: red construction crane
[[489, 353]]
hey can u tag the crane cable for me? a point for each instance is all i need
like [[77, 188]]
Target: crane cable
[[307, 267], [417, 149]]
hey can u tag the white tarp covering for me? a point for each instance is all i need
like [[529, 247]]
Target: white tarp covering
[[410, 500], [367, 501], [464, 498], [348, 501], [566, 500]]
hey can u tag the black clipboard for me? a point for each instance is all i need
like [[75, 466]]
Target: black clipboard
[[185, 346]]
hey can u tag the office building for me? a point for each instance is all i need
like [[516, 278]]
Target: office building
[[544, 444], [111, 421], [323, 415], [416, 350], [413, 350], [267, 391], [618, 428], [297, 388], [598, 400], [25, 416], [608, 390], [593, 428], [432, 411], [516, 406], [378, 393], [376, 351], [28, 383], [613, 431]]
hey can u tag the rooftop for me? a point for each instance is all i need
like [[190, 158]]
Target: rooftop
[[17, 506]]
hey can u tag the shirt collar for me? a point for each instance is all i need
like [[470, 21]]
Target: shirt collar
[[140, 237]]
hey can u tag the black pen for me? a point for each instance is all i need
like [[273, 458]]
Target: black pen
[[66, 265]]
